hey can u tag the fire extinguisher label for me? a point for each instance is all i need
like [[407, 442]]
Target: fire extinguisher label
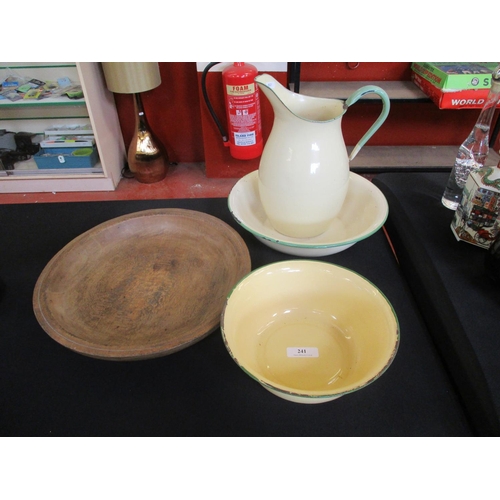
[[243, 113], [244, 89], [244, 138]]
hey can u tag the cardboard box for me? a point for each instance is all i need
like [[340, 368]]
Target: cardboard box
[[476, 219], [456, 75], [452, 99], [66, 158]]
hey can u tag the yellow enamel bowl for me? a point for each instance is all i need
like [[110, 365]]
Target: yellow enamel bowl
[[309, 331]]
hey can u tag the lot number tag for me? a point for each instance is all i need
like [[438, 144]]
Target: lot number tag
[[302, 352]]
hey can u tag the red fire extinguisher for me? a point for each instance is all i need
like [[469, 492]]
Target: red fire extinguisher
[[241, 95]]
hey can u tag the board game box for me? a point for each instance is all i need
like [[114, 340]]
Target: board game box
[[456, 75]]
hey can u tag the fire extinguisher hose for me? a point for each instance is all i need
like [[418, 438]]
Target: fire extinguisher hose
[[207, 101]]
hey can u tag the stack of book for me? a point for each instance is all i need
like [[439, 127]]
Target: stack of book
[[68, 137], [68, 141], [454, 85]]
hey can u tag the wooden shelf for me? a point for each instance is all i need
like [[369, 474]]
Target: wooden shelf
[[396, 90], [42, 103], [51, 173], [47, 111], [409, 158]]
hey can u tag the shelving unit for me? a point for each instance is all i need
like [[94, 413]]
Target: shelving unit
[[97, 109], [405, 158]]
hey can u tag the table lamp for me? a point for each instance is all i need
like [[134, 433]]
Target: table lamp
[[147, 158]]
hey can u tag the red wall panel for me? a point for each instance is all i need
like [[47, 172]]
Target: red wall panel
[[408, 124], [179, 117], [360, 71]]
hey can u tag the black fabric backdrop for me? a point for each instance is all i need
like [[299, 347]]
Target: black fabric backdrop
[[46, 389], [459, 301]]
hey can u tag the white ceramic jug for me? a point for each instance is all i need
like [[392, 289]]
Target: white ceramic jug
[[304, 168]]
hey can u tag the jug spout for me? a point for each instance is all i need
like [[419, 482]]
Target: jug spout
[[308, 108], [274, 91]]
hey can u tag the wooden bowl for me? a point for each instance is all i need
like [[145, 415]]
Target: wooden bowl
[[142, 285]]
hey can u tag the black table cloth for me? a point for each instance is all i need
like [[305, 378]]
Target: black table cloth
[[459, 302], [46, 389]]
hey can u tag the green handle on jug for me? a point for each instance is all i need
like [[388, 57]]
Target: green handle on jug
[[386, 105]]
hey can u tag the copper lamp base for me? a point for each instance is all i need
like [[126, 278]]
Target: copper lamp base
[[147, 158]]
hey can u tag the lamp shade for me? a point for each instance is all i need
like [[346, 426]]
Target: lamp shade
[[131, 77]]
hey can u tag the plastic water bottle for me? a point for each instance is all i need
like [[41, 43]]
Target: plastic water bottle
[[474, 150]]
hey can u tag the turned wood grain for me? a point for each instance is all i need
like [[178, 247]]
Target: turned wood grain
[[142, 285]]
